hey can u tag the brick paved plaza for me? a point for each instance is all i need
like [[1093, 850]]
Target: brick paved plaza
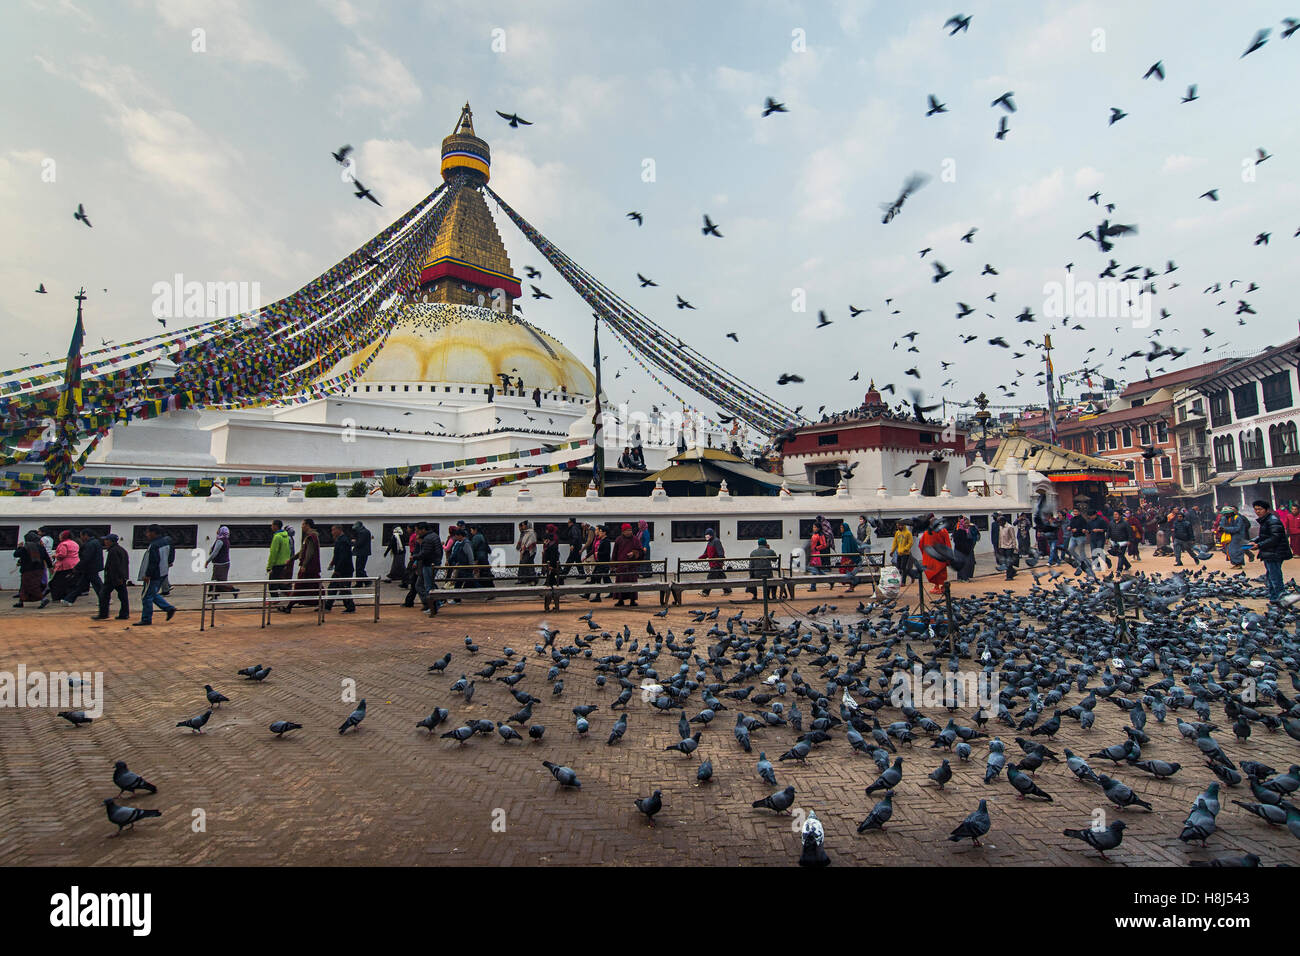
[[388, 794]]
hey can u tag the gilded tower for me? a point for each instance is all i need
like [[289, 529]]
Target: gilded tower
[[468, 261]]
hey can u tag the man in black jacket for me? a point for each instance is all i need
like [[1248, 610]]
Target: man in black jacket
[[153, 571], [90, 563], [360, 548], [482, 552], [1272, 546], [117, 572], [1119, 533], [1184, 537], [341, 565], [573, 535]]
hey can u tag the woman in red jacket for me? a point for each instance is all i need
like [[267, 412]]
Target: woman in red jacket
[[936, 570]]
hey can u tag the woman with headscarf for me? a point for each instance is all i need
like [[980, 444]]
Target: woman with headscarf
[[396, 546], [33, 563], [963, 542], [63, 586], [850, 555], [1234, 526], [627, 550], [308, 559], [936, 568], [219, 559], [643, 535], [551, 556]]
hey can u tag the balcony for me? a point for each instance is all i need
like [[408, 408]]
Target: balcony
[[1248, 464], [1193, 451]]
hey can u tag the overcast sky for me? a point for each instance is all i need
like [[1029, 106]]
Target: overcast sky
[[215, 164]]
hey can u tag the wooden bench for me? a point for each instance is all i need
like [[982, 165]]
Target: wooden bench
[[692, 575]]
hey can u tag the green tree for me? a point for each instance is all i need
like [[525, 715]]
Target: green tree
[[321, 489]]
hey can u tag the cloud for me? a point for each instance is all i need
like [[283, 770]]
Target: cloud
[[229, 33], [1038, 197], [380, 83], [1179, 162]]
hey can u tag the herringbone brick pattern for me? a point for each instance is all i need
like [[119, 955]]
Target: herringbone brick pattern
[[387, 794]]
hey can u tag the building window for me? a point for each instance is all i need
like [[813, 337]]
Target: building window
[[1137, 402], [831, 439], [1166, 467], [1282, 443], [1145, 432], [1187, 477], [691, 530], [1224, 455], [1252, 448], [1148, 472], [1245, 401], [1220, 415], [1277, 391], [1126, 434], [184, 536], [753, 530], [1162, 432], [1110, 440]]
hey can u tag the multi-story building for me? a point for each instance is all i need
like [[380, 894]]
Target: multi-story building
[[1194, 466], [1253, 449]]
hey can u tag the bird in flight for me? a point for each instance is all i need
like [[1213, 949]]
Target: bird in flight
[[1211, 194], [822, 321], [1157, 69], [81, 214], [959, 22], [854, 312], [532, 273], [364, 193], [788, 377], [892, 209], [963, 310], [514, 119], [1261, 155], [1262, 238], [683, 304], [341, 157], [1191, 94], [1116, 114], [989, 270], [1261, 37], [538, 293], [939, 271], [772, 106], [935, 106], [41, 288], [644, 281], [732, 336], [635, 217], [1003, 129], [1005, 101], [710, 228], [970, 234]]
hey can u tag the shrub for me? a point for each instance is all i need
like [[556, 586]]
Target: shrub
[[321, 489]]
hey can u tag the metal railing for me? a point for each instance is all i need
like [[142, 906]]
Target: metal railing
[[268, 594]]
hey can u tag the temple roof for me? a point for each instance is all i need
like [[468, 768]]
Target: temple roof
[[1049, 459]]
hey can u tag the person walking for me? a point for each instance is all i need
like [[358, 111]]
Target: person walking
[[901, 549], [1272, 546], [626, 551], [551, 557], [526, 545], [361, 545], [573, 538], [343, 569], [850, 556], [219, 559], [117, 572], [63, 584], [1120, 532], [1007, 543], [1233, 526], [819, 544], [482, 552], [460, 560], [396, 546], [308, 558], [1135, 534], [644, 536], [715, 554], [1291, 521], [279, 560], [763, 563], [33, 565], [602, 552], [1078, 540], [864, 532], [963, 542], [936, 537], [1180, 529], [90, 564], [153, 567], [537, 397]]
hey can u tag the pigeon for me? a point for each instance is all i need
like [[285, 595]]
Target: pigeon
[[41, 289], [282, 727], [781, 801], [1271, 814], [363, 193], [619, 728], [1121, 794], [710, 228], [812, 836], [126, 816], [941, 774], [354, 718], [80, 216], [650, 805], [636, 217], [1100, 840], [1025, 785], [935, 106], [765, 769], [879, 814], [1159, 769], [974, 826], [686, 746], [1261, 37], [1079, 767], [195, 723], [1116, 114], [771, 106], [1199, 825], [959, 22], [514, 119], [705, 772], [440, 665], [889, 779], [76, 717], [563, 775], [215, 697], [259, 675], [1006, 102], [1157, 69], [125, 780]]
